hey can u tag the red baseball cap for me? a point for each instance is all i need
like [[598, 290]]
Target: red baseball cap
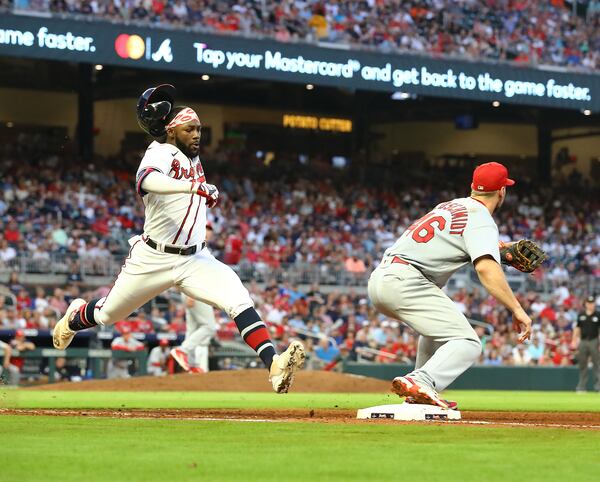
[[19, 333], [163, 342], [490, 176]]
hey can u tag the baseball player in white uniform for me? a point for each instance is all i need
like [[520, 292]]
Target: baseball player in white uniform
[[8, 370], [407, 285], [125, 342], [157, 360], [200, 327], [172, 252]]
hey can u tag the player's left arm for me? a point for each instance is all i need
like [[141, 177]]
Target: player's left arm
[[158, 183]]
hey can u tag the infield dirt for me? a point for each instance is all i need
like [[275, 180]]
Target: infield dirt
[[231, 381], [306, 382]]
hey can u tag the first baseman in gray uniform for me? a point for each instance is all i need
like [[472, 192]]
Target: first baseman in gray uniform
[[407, 285]]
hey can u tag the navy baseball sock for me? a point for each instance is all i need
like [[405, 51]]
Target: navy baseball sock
[[255, 334], [84, 318]]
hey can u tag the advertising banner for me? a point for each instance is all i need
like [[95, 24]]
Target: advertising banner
[[188, 51]]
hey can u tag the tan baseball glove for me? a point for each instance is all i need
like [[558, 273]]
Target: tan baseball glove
[[524, 255]]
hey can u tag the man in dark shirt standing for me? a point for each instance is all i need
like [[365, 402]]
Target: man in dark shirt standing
[[585, 336]]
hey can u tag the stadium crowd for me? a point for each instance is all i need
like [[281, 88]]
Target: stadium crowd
[[283, 218], [549, 32], [334, 325], [270, 222]]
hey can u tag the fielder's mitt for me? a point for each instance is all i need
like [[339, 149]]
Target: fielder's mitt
[[524, 255]]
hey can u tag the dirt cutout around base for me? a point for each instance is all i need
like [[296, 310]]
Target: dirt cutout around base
[[230, 381], [560, 420]]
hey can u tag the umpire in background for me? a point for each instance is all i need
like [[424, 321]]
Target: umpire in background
[[585, 337]]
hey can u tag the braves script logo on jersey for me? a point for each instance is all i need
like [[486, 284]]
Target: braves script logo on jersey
[[183, 173]]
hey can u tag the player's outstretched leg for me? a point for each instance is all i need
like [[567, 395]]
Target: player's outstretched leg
[[283, 367], [72, 322], [208, 280]]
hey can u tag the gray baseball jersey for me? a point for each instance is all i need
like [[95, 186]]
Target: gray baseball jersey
[[453, 234]]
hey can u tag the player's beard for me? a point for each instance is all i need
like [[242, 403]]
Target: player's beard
[[501, 200], [190, 152]]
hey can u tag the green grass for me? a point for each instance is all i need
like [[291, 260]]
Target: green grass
[[469, 400], [68, 448], [115, 450]]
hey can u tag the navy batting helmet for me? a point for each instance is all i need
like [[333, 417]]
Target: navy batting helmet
[[152, 108]]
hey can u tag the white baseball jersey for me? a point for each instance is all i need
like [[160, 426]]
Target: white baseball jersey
[[120, 343], [158, 357], [178, 219], [453, 234]]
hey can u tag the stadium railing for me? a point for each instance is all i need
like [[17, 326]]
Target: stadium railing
[[98, 271], [97, 356]]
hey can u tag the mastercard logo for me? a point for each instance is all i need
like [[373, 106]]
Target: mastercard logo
[[130, 46]]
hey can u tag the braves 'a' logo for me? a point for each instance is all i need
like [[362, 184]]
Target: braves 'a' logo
[[183, 173]]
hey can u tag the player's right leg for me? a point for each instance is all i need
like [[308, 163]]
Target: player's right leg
[[197, 341], [402, 292], [582, 359], [145, 274], [206, 279]]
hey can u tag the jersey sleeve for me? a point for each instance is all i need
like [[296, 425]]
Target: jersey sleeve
[[481, 237], [157, 158]]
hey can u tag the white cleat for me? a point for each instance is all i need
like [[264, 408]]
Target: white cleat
[[284, 367], [62, 335]]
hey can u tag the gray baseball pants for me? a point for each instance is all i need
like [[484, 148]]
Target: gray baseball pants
[[588, 349], [448, 345]]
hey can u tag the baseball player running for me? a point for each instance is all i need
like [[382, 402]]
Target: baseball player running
[[172, 250], [201, 326], [407, 285]]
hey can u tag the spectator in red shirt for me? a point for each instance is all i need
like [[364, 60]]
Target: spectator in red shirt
[[23, 300], [20, 343], [12, 233], [233, 249]]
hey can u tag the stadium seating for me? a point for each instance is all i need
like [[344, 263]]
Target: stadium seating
[[283, 232], [533, 32]]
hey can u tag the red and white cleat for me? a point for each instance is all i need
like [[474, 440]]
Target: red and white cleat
[[196, 370], [407, 387], [452, 405], [181, 358]]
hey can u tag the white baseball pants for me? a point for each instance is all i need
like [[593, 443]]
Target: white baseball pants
[[147, 272], [200, 328]]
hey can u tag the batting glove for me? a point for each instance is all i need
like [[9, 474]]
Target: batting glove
[[209, 192]]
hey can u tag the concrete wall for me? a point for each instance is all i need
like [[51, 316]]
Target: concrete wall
[[36, 107], [584, 148], [486, 377], [437, 138], [113, 118]]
